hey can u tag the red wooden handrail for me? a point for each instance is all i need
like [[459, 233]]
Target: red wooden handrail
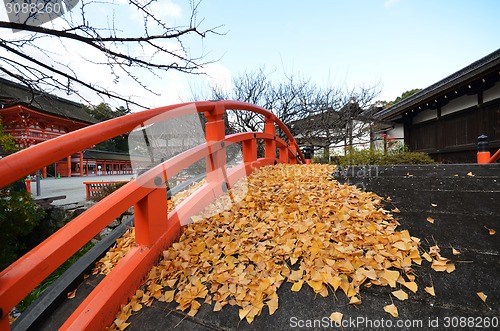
[[495, 157], [155, 230]]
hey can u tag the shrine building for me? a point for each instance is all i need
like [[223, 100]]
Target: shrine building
[[32, 117]]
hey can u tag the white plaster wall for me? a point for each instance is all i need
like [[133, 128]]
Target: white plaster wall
[[463, 102], [425, 115], [398, 132], [492, 93]]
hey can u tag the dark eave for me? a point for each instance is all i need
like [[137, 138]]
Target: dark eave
[[105, 155], [487, 66], [12, 94]]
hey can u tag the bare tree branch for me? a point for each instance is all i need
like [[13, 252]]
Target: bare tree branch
[[161, 44], [317, 116]]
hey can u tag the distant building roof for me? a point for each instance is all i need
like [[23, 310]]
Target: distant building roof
[[12, 94], [105, 155], [488, 65]]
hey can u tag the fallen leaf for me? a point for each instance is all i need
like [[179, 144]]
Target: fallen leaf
[[169, 296], [412, 286], [455, 252], [337, 317], [272, 305], [72, 294], [396, 210], [391, 309], [297, 286], [430, 290], [391, 276], [433, 205], [427, 257], [491, 231], [400, 294], [430, 220], [354, 301], [482, 296], [123, 326], [470, 174]]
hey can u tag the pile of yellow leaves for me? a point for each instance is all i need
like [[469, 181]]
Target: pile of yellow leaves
[[292, 224], [127, 241]]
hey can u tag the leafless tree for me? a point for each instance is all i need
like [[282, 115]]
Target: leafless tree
[[28, 55], [318, 116]]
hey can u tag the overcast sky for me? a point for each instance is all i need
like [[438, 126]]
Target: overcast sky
[[400, 44]]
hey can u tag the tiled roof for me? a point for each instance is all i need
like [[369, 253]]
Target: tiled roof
[[12, 93], [485, 65]]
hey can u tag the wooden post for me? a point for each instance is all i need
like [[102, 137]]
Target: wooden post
[[151, 217], [81, 164], [270, 145], [283, 154], [68, 163], [216, 161], [293, 148], [249, 150]]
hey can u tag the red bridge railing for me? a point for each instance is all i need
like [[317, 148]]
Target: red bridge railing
[[155, 227]]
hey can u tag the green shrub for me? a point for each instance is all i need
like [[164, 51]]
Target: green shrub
[[398, 155], [107, 190]]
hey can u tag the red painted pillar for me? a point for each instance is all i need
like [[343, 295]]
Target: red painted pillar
[[249, 150], [270, 145], [81, 164], [216, 161], [283, 154], [293, 148], [150, 217], [68, 163]]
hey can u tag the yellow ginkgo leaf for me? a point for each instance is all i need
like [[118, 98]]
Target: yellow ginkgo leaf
[[430, 220], [400, 294], [123, 326], [470, 174], [430, 290], [243, 312], [315, 285], [297, 286], [136, 306], [354, 301], [455, 252], [412, 286], [337, 317], [491, 231], [391, 276], [391, 309], [272, 305], [169, 296], [427, 257], [482, 296], [433, 205], [72, 294]]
